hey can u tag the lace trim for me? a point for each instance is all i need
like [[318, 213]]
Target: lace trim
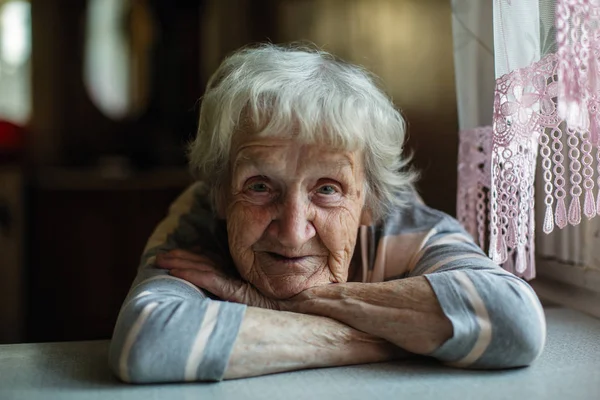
[[474, 155], [526, 116], [475, 206], [578, 46]]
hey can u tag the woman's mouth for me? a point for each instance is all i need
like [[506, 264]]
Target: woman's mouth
[[285, 259]]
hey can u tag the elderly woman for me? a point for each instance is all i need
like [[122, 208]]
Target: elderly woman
[[303, 244]]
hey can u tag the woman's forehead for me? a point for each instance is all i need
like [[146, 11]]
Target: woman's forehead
[[318, 131], [283, 151]]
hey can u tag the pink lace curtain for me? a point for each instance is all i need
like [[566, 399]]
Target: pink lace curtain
[[544, 113]]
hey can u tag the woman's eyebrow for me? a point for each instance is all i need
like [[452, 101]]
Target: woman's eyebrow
[[248, 155], [345, 161], [339, 164], [247, 159], [242, 161]]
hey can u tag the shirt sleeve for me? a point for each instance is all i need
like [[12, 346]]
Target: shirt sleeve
[[168, 330], [497, 318]]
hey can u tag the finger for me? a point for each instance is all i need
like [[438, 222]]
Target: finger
[[227, 288], [180, 263]]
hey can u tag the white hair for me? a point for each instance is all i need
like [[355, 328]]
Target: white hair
[[274, 90]]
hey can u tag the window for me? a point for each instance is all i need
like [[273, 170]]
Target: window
[[15, 61], [119, 36]]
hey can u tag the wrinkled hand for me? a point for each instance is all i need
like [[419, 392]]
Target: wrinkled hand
[[203, 271]]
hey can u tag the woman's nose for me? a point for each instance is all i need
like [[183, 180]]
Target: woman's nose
[[293, 226]]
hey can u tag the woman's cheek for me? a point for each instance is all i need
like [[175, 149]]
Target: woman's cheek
[[338, 231], [245, 225], [340, 226]]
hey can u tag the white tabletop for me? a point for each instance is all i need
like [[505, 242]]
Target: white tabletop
[[569, 368]]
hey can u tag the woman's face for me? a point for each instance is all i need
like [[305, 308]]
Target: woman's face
[[293, 212]]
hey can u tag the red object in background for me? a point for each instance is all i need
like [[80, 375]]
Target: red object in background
[[11, 137], [12, 143]]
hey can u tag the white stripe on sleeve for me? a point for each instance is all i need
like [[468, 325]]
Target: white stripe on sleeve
[[483, 320], [206, 329], [130, 340]]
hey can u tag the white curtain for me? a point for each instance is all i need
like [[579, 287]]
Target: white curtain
[[472, 29]]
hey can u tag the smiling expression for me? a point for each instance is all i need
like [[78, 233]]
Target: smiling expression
[[293, 212]]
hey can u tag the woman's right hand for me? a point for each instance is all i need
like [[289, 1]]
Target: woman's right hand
[[202, 271]]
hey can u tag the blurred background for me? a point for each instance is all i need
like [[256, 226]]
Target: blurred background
[[99, 97]]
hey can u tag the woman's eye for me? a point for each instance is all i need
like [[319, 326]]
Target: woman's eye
[[259, 190], [327, 189], [258, 187]]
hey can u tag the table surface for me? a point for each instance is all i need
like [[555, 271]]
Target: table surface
[[569, 368]]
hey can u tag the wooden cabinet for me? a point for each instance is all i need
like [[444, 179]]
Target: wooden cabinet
[[85, 243], [87, 232]]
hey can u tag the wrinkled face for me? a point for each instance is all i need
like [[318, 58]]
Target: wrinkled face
[[293, 212]]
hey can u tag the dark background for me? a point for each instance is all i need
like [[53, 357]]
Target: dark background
[[86, 188]]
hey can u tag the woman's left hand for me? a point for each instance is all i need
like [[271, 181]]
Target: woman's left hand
[[203, 272]]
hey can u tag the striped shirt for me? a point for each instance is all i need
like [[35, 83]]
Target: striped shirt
[[169, 330]]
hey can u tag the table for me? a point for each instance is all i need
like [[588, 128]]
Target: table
[[568, 369]]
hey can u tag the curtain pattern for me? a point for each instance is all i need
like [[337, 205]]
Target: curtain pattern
[[546, 56]]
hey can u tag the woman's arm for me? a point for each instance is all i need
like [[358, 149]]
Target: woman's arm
[[168, 330], [454, 304], [405, 312], [168, 333], [161, 330], [276, 341]]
